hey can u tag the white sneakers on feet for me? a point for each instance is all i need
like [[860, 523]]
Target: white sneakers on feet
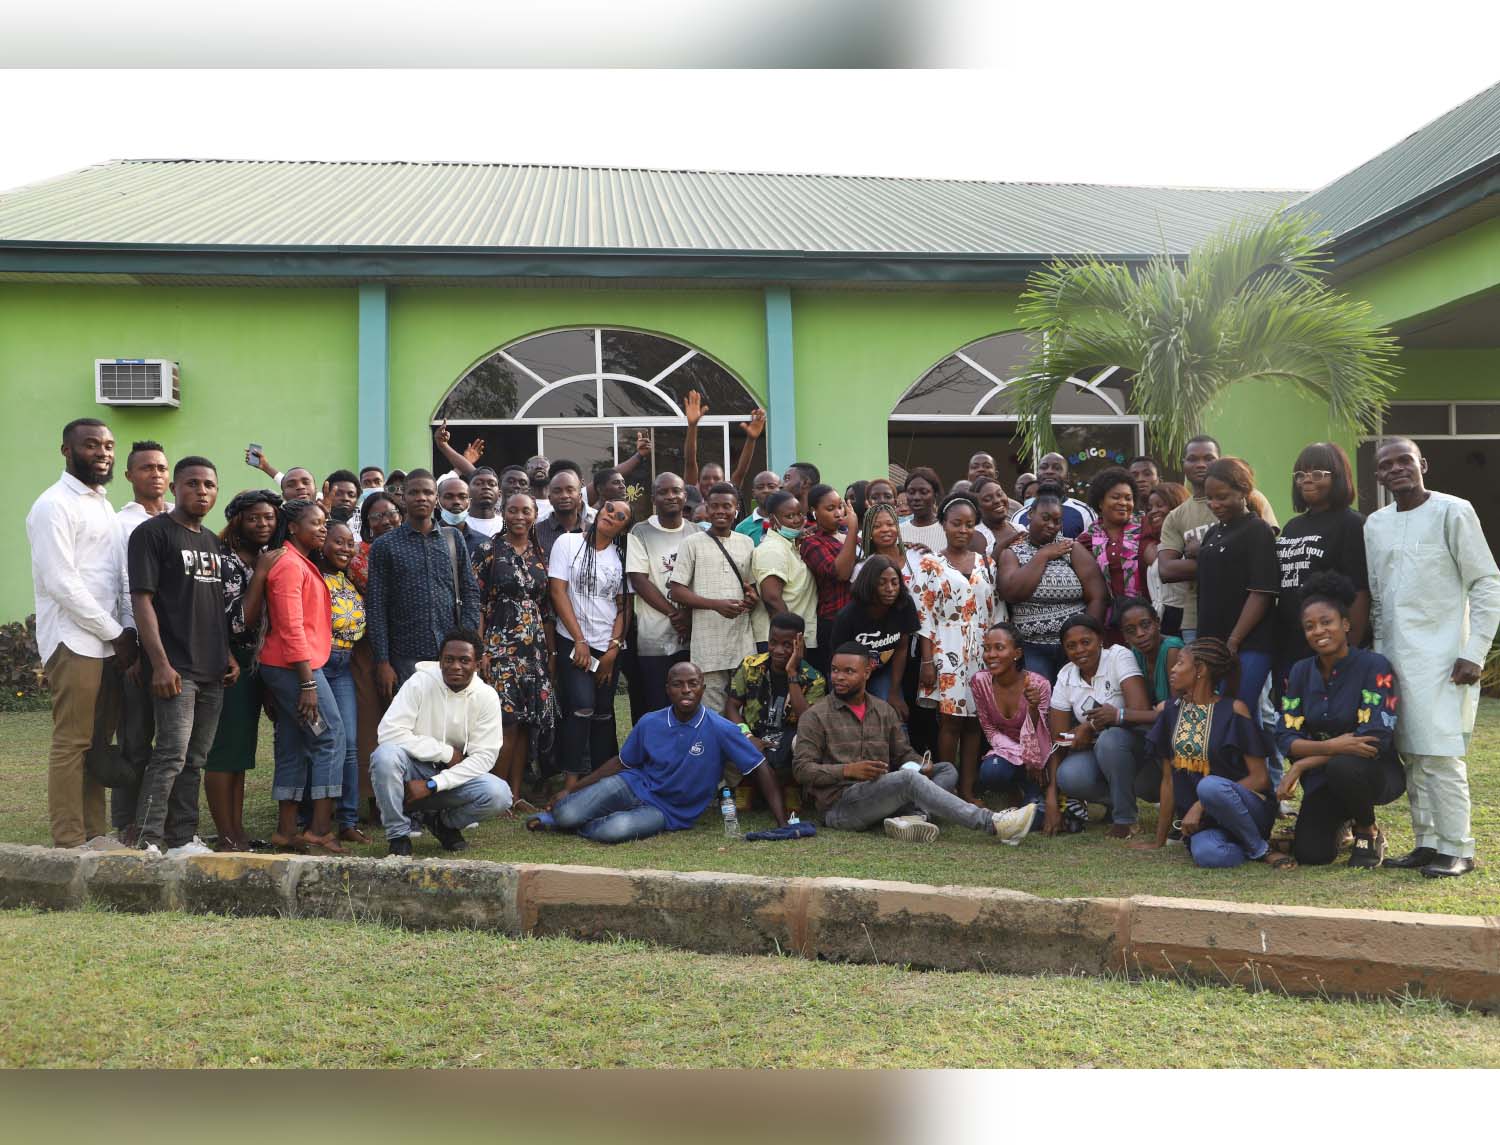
[[911, 829], [1012, 825], [195, 847]]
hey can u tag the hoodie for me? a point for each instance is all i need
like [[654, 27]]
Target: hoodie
[[427, 720]]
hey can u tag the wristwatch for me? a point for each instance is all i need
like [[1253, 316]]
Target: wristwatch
[[432, 785]]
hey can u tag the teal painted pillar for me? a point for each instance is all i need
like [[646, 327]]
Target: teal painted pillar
[[781, 412], [374, 376]]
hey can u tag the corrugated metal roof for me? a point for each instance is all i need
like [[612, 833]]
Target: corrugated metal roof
[[1451, 146], [473, 206]]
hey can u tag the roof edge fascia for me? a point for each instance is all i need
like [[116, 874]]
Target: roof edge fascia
[[1448, 198]]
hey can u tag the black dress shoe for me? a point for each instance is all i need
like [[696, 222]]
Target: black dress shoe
[[1412, 860], [1447, 867]]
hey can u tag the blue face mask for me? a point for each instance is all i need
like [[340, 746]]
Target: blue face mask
[[454, 519], [789, 533]]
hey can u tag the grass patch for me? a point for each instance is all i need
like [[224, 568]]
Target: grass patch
[[1087, 864], [192, 991]]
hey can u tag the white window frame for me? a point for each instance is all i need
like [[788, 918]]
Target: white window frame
[[1382, 498]]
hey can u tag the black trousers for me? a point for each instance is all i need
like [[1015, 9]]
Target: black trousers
[[1352, 788]]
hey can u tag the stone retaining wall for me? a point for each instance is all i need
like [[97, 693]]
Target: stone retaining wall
[[1301, 950]]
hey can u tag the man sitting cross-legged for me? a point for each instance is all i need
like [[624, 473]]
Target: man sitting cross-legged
[[853, 758], [666, 774], [438, 741]]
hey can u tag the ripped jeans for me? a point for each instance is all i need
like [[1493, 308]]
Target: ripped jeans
[[586, 738]]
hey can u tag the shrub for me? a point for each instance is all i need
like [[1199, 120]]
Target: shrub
[[22, 687]]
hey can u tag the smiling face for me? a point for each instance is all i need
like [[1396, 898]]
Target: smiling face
[[885, 531], [722, 508], [1400, 467], [90, 454], [1052, 467], [789, 515], [1157, 508], [779, 643], [383, 516], [668, 496], [1001, 650], [309, 529], [981, 465], [1224, 501], [710, 473], [1325, 629], [195, 489], [458, 661], [1117, 506], [519, 514], [339, 546], [344, 495], [257, 525], [297, 485], [1081, 644], [684, 689], [993, 503]]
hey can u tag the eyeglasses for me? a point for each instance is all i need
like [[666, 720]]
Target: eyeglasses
[[1312, 474], [386, 515]]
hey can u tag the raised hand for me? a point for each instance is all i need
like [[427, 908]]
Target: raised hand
[[694, 407], [757, 423], [474, 451], [440, 434]]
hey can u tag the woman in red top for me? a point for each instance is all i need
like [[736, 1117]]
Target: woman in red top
[[309, 734], [829, 556]]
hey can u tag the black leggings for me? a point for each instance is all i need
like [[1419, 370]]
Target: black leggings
[[1352, 789]]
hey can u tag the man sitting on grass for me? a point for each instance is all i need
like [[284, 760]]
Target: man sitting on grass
[[438, 741], [854, 760], [667, 773]]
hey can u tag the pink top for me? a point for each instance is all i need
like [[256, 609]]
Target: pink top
[[300, 611], [1004, 735]]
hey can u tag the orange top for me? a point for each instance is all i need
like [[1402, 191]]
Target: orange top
[[300, 611]]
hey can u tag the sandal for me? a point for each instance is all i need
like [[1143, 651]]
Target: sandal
[[1279, 862], [324, 845], [354, 835], [296, 843]]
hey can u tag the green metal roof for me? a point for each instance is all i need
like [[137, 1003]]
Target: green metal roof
[[235, 205], [1450, 149]]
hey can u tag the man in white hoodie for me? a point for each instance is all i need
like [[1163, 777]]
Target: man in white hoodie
[[438, 741]]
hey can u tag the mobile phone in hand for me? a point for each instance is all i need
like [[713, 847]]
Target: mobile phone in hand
[[254, 455]]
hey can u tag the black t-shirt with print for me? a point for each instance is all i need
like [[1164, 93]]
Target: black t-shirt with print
[[1233, 561], [1332, 540], [881, 635], [183, 572]]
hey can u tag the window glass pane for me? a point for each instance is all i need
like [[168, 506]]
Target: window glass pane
[[667, 443], [589, 445], [737, 437], [946, 446], [1425, 419], [950, 387], [1002, 355], [640, 356], [576, 399], [1091, 449], [503, 445], [1073, 400], [492, 389], [1118, 386], [621, 399], [1479, 418], [718, 386], [1003, 404], [555, 356]]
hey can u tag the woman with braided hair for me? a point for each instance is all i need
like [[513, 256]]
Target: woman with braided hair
[[251, 520], [1214, 784]]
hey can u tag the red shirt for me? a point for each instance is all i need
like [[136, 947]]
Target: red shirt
[[819, 551], [300, 611]]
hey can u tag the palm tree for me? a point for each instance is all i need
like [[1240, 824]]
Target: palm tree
[[1248, 304]]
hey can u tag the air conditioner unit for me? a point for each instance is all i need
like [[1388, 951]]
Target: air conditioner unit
[[136, 382]]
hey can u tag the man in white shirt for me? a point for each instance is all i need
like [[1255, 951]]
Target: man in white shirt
[[661, 626], [147, 471], [78, 572], [438, 741]]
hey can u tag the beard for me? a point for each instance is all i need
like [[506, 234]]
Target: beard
[[80, 468]]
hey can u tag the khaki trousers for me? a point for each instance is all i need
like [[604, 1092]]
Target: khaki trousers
[[85, 710]]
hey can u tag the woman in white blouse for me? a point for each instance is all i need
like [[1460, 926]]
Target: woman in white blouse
[[1100, 708]]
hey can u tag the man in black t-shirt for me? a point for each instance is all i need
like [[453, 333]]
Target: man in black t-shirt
[[177, 590]]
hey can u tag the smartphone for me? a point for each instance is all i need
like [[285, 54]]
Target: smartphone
[[1090, 704], [593, 663], [317, 725], [254, 454]]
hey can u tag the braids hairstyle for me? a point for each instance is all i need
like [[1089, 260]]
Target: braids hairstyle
[[1222, 664], [230, 534], [867, 528], [1111, 478], [291, 512], [589, 554], [1331, 588], [865, 584]]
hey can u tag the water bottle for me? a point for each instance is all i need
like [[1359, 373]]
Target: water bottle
[[730, 813]]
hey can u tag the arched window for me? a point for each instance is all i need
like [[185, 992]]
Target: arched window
[[585, 394]]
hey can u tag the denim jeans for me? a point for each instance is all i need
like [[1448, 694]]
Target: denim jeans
[[1045, 660], [608, 812], [1115, 771], [473, 801], [1255, 679], [902, 792], [996, 773], [137, 730], [306, 764], [340, 676], [185, 726], [587, 736], [1241, 822]]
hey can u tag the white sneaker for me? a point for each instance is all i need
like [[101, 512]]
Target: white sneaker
[[195, 847], [151, 849], [911, 829], [1012, 825]]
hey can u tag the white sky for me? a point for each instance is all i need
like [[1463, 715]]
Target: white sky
[[1263, 94]]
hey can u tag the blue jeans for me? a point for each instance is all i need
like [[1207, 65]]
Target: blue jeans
[[1241, 822], [1045, 660], [996, 773], [305, 763], [340, 679], [1116, 772], [1255, 674], [608, 812], [472, 801], [587, 736]]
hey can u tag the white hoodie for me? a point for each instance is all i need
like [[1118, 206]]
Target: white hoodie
[[428, 719]]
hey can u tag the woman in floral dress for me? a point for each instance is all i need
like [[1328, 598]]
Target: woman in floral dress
[[957, 601], [516, 621]]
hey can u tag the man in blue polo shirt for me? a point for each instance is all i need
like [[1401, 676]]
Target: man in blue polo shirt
[[666, 774]]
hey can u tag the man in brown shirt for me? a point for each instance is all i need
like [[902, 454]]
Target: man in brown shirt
[[855, 761]]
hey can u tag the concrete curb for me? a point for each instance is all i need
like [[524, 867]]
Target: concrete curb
[[1300, 950]]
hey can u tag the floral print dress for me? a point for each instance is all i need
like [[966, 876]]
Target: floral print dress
[[515, 602], [955, 610]]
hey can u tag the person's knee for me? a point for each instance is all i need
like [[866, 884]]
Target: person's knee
[[493, 797], [945, 775], [387, 762], [1214, 791], [1310, 852], [1213, 849], [1077, 773], [1115, 748]]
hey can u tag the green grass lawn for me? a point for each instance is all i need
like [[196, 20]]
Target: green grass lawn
[[1087, 864], [185, 991]]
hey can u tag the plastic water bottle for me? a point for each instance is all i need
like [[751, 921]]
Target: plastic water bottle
[[792, 820], [730, 813]]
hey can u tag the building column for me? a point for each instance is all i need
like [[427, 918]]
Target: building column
[[781, 412], [374, 376]]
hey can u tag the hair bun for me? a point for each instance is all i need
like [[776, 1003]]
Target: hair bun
[[1329, 585]]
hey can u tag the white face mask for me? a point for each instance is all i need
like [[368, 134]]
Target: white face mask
[[454, 519]]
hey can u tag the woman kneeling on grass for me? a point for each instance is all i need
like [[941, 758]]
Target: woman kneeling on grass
[[1213, 757], [1338, 726]]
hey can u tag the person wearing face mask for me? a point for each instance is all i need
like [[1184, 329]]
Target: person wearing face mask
[[782, 577], [485, 519], [453, 510]]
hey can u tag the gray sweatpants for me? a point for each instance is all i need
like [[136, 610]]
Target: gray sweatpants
[[903, 793]]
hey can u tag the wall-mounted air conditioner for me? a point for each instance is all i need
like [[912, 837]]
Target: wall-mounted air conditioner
[[136, 382]]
